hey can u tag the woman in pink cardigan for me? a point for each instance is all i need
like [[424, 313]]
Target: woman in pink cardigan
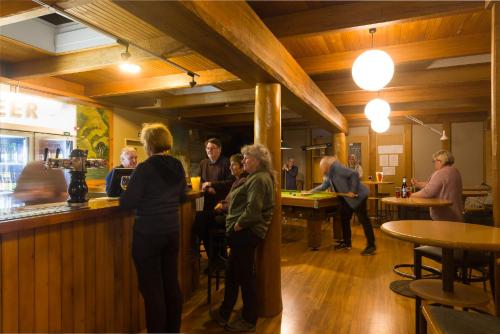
[[444, 183]]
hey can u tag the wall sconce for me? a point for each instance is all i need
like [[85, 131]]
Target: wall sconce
[[127, 66], [192, 83], [442, 134]]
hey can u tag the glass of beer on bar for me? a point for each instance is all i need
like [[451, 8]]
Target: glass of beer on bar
[[397, 191], [195, 183], [380, 176]]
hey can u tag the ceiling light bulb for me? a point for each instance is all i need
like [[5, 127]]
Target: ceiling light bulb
[[373, 70], [377, 109], [381, 125], [130, 68]]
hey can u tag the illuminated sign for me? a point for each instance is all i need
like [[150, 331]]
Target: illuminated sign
[[37, 113]]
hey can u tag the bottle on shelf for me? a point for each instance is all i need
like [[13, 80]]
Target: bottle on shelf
[[4, 155], [404, 189], [13, 152]]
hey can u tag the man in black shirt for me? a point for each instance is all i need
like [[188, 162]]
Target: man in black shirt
[[216, 181]]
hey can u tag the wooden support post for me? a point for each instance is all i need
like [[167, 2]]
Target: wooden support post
[[267, 131], [339, 147], [446, 144], [495, 129]]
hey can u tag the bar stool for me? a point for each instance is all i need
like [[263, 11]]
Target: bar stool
[[217, 239]]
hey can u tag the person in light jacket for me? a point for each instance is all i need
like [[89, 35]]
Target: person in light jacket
[[346, 181]]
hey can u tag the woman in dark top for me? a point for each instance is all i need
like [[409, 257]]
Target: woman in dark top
[[155, 189]]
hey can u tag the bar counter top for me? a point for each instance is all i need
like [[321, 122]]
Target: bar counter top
[[34, 216]]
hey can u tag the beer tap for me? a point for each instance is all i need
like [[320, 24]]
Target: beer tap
[[77, 163]]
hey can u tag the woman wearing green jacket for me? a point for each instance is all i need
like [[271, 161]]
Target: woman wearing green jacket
[[247, 223]]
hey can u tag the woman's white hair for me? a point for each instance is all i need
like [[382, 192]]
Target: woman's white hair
[[261, 153], [446, 157]]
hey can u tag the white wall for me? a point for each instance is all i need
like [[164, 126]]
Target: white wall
[[467, 145], [424, 144]]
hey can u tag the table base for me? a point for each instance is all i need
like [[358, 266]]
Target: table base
[[402, 287]]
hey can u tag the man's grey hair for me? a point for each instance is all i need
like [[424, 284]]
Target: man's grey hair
[[126, 150]]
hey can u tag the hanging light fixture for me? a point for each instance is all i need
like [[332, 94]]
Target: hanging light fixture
[[373, 69], [380, 125], [127, 66], [377, 109]]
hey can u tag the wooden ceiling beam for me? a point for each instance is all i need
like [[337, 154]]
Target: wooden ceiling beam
[[212, 111], [152, 84], [73, 62], [207, 99], [478, 104], [429, 119], [363, 14], [231, 33], [403, 53], [25, 15], [428, 93], [441, 76], [422, 112]]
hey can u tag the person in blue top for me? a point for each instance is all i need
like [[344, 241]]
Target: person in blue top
[[346, 181], [128, 159]]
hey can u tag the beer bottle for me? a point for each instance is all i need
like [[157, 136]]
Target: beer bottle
[[404, 190]]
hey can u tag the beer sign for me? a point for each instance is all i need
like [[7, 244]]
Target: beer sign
[[34, 113]]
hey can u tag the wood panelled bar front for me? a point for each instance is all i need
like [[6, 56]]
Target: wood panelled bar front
[[73, 271]]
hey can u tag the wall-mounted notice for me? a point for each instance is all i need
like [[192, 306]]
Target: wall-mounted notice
[[390, 149], [383, 160], [389, 170], [393, 160]]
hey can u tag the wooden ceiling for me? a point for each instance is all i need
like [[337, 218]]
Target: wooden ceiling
[[324, 38]]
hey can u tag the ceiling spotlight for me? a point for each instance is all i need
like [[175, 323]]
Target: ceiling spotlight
[[127, 66], [192, 83]]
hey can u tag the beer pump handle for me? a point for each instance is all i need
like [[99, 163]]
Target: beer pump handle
[[58, 151], [45, 153]]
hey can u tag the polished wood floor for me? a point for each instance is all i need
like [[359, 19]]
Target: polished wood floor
[[327, 291]]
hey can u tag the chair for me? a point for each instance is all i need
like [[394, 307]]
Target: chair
[[215, 265], [445, 320]]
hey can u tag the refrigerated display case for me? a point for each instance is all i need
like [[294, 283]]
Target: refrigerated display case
[[16, 150]]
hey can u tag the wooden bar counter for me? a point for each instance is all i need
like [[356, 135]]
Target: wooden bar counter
[[73, 271]]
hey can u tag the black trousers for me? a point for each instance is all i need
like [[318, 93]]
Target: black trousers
[[206, 221], [155, 258], [346, 213], [240, 272]]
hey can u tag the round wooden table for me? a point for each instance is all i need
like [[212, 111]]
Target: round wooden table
[[447, 235]]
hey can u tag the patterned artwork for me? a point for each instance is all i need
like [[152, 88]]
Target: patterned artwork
[[93, 135]]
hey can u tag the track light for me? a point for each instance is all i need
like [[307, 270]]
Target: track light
[[192, 83], [127, 66]]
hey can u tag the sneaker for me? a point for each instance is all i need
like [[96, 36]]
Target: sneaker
[[240, 325], [217, 317], [342, 246], [369, 250]]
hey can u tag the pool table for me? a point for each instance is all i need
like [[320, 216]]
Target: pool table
[[312, 207]]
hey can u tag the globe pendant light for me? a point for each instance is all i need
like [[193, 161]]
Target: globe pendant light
[[373, 69], [377, 109], [380, 125]]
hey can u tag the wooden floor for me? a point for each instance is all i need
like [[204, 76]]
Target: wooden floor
[[327, 291]]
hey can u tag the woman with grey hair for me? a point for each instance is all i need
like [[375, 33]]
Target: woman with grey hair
[[444, 183], [247, 223]]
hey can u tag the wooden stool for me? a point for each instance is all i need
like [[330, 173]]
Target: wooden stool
[[445, 320]]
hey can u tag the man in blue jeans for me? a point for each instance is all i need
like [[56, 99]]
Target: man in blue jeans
[[345, 180]]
